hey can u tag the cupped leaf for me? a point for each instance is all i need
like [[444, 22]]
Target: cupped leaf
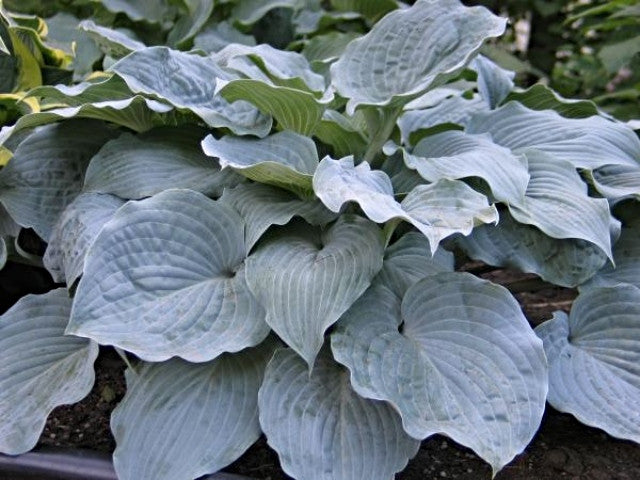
[[74, 232], [584, 142], [617, 181], [248, 12], [152, 11], [188, 82], [594, 359], [47, 170], [40, 367], [322, 430], [465, 362], [411, 50], [328, 47], [284, 159], [189, 24], [262, 206], [179, 421], [567, 262], [370, 10], [541, 97], [557, 202], [454, 155], [342, 133], [135, 167], [494, 83], [306, 278], [217, 35], [165, 277], [112, 42]]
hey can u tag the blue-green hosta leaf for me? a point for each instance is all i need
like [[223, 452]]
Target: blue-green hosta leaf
[[284, 159], [617, 181], [179, 421], [328, 47], [626, 254], [188, 81], [594, 360], [47, 170], [112, 42], [262, 206], [455, 155], [411, 50], [323, 430], [165, 277], [557, 202], [8, 226], [189, 24], [217, 35], [437, 210], [368, 9], [40, 367], [306, 278], [494, 83], [584, 142], [105, 87], [152, 11], [248, 12], [541, 97], [342, 133], [134, 167], [3, 253], [567, 262], [409, 260], [465, 362], [293, 109], [311, 20], [74, 232], [451, 112]]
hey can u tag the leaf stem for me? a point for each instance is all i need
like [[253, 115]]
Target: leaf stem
[[381, 134]]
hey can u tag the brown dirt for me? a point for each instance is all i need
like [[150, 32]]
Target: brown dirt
[[562, 449]]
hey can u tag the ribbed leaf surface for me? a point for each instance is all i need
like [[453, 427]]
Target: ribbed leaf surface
[[626, 254]]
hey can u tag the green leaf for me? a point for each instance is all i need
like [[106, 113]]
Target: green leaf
[[465, 362], [47, 170], [179, 421], [615, 56], [189, 24], [321, 429], [455, 155], [368, 9], [248, 12], [151, 11], [494, 83], [585, 142], [342, 133], [557, 202], [284, 159], [262, 206], [112, 42], [217, 35], [328, 47], [3, 253], [410, 51], [593, 359], [566, 262], [165, 277], [74, 232], [306, 278], [188, 82], [541, 97], [40, 367], [134, 167]]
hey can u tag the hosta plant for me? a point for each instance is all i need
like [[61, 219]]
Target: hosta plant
[[267, 235]]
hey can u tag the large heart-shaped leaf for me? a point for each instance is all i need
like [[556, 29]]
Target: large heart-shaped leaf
[[458, 357], [594, 359], [411, 50], [179, 421], [306, 278], [284, 159], [40, 367], [584, 142], [455, 155], [322, 430], [46, 172], [165, 277], [135, 167], [74, 232]]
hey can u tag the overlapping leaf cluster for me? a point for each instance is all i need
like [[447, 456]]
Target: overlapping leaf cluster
[[270, 232]]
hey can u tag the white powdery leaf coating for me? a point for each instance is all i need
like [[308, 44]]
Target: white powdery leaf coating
[[262, 206], [179, 421], [165, 277], [567, 262], [455, 155], [323, 430], [284, 159], [134, 167], [40, 367], [466, 363], [594, 360], [46, 172], [188, 81], [305, 279], [74, 232], [558, 203], [410, 50], [437, 210], [587, 143]]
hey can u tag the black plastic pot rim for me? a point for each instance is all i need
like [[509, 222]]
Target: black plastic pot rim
[[70, 464]]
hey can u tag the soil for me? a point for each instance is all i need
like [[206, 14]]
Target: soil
[[562, 449]]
